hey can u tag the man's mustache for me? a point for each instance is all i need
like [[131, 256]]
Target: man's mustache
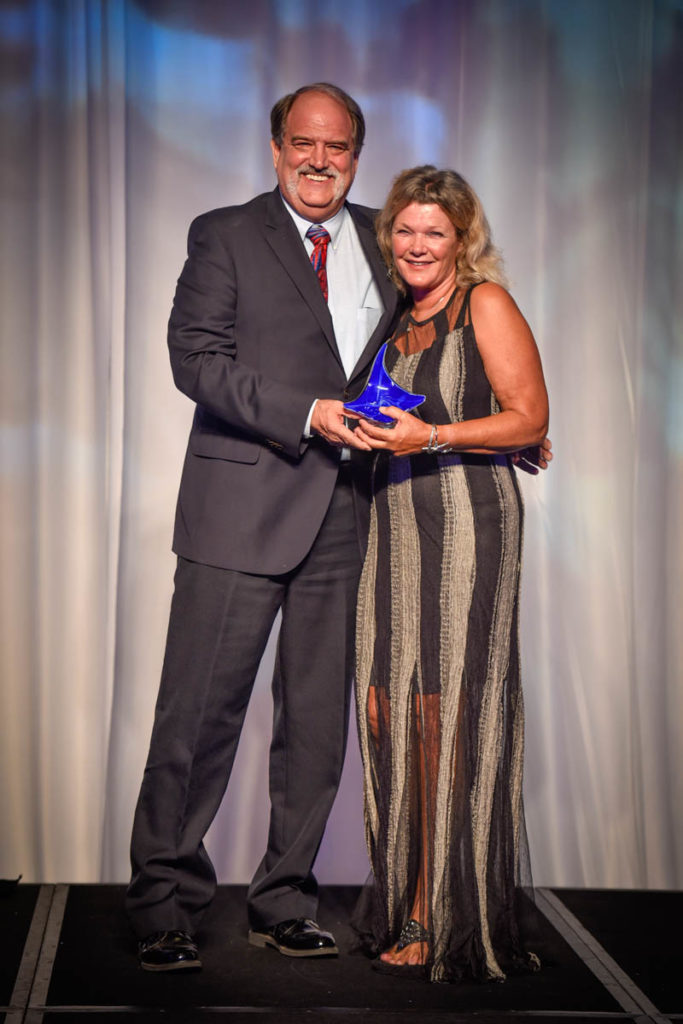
[[329, 172]]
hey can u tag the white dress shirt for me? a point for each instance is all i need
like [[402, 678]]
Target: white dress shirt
[[353, 298]]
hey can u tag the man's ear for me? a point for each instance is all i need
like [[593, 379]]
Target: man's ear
[[275, 150]]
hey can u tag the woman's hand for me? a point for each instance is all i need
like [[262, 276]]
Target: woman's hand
[[408, 436], [535, 458]]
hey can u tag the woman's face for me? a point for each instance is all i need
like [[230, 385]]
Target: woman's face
[[425, 245]]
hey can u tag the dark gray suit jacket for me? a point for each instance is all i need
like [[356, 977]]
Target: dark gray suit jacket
[[252, 343]]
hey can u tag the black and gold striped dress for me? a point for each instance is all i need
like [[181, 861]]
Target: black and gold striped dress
[[438, 691]]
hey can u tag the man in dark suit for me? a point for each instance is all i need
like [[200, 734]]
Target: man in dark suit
[[268, 346]]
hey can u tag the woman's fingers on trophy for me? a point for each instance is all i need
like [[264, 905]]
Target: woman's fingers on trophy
[[393, 411]]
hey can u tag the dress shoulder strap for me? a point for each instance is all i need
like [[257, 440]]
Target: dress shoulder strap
[[464, 316]]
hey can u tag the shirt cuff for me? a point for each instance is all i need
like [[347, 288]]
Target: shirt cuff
[[307, 427]]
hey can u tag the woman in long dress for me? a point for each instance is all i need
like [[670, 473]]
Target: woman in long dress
[[439, 699]]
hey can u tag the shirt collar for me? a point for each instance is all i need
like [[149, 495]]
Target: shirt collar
[[333, 226]]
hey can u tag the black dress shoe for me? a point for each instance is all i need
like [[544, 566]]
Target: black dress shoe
[[168, 951], [299, 937]]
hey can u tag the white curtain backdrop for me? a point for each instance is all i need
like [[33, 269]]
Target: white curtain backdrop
[[121, 121]]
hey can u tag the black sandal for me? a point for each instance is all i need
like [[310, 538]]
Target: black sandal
[[410, 933]]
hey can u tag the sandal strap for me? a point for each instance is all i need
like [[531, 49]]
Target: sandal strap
[[410, 933]]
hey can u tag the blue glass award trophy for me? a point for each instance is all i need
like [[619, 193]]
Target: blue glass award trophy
[[382, 390]]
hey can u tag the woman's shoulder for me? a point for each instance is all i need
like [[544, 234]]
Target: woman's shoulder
[[489, 298], [488, 291]]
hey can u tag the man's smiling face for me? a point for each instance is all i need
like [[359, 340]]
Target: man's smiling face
[[316, 164]]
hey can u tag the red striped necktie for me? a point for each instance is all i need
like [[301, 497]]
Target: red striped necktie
[[320, 239]]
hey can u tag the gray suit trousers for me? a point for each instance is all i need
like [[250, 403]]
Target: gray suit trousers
[[219, 626]]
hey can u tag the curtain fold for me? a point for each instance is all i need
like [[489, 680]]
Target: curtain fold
[[63, 307]]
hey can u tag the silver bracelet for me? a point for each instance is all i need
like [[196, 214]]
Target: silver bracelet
[[433, 435], [433, 445]]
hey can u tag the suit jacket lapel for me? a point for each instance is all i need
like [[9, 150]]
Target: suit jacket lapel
[[366, 234], [283, 238]]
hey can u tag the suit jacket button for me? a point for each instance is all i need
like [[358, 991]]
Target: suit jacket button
[[346, 393]]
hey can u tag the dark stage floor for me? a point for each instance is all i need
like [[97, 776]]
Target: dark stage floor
[[67, 956]]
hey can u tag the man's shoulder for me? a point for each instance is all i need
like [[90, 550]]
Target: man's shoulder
[[363, 215], [232, 216]]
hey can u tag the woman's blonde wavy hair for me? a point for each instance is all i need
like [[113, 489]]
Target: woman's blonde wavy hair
[[478, 259]]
